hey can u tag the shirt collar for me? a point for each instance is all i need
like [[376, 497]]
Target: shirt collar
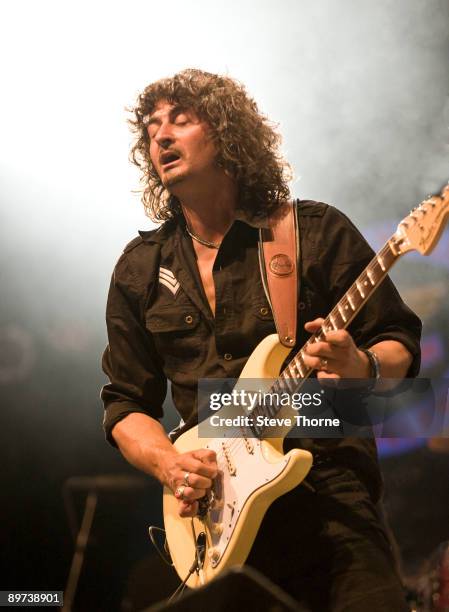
[[252, 220], [161, 233]]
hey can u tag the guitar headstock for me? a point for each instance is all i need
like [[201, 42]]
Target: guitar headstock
[[422, 228]]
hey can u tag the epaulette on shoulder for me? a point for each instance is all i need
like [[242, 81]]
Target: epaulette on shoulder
[[148, 236], [132, 245], [310, 208]]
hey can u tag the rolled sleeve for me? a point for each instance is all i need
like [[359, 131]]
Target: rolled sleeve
[[137, 382], [387, 317]]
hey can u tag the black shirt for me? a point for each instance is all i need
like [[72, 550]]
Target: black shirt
[[160, 325]]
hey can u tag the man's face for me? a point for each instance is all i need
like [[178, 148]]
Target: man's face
[[181, 148]]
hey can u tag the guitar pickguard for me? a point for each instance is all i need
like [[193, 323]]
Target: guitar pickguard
[[243, 470]]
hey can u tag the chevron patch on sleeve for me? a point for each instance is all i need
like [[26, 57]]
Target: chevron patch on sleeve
[[167, 278]]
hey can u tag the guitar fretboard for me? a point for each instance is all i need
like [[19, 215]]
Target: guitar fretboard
[[293, 376]]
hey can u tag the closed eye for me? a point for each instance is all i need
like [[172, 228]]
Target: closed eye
[[181, 119]]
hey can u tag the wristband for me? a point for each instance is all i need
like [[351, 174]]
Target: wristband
[[374, 366]]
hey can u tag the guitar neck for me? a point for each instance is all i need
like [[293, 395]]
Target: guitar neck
[[339, 318]]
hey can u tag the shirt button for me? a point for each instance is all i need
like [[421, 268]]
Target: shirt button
[[301, 305], [228, 356], [188, 319], [264, 311]]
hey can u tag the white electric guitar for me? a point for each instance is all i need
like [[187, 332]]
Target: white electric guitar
[[254, 471]]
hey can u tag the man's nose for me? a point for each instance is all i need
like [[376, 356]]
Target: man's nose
[[164, 136]]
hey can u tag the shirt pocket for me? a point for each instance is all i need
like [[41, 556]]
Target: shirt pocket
[[262, 321], [176, 335]]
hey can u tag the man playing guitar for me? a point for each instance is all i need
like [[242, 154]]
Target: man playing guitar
[[186, 302]]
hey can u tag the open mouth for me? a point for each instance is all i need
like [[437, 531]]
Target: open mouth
[[169, 157]]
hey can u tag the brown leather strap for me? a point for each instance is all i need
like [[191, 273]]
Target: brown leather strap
[[280, 254]]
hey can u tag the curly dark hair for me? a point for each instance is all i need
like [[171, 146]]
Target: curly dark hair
[[247, 143]]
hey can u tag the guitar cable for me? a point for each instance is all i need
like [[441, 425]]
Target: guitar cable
[[195, 567], [180, 590], [166, 559]]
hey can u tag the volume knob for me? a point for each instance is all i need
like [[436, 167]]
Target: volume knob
[[217, 528], [214, 555]]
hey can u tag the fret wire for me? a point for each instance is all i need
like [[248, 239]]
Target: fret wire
[[303, 369], [271, 409], [392, 247], [288, 383], [340, 310], [291, 368], [261, 409], [359, 290], [283, 386], [370, 275], [388, 254], [365, 281], [381, 262], [298, 364], [300, 358], [298, 383], [328, 325], [336, 316], [350, 299]]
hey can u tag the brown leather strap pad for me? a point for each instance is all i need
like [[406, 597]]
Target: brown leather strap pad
[[279, 246]]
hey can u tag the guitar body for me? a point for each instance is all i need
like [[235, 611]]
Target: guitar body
[[253, 473]]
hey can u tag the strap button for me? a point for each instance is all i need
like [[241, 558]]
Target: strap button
[[227, 356], [188, 319], [263, 311]]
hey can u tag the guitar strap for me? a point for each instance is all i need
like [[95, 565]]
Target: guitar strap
[[279, 256]]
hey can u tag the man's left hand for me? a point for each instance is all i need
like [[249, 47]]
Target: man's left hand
[[337, 356]]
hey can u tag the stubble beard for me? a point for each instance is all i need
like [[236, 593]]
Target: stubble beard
[[172, 179]]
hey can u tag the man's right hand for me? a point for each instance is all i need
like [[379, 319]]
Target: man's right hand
[[144, 443], [190, 474]]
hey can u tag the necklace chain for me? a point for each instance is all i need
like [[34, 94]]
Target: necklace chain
[[210, 245]]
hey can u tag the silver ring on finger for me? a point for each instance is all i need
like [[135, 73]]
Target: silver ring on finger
[[323, 365], [186, 479], [179, 492]]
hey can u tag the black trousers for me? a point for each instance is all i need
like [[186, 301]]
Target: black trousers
[[327, 547]]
